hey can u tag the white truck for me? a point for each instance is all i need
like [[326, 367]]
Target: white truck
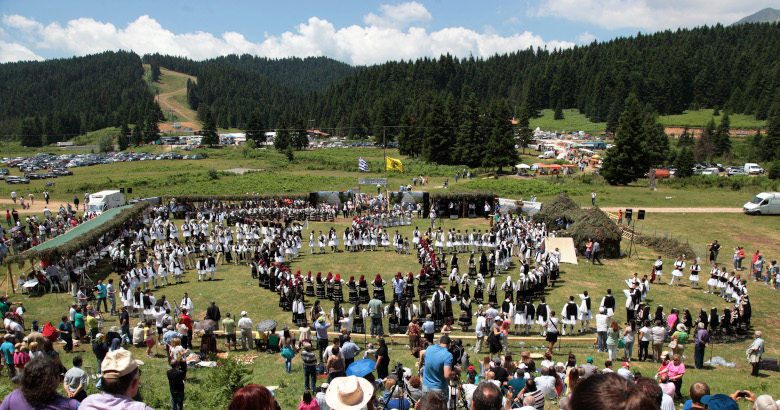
[[753, 169], [102, 201], [765, 203]]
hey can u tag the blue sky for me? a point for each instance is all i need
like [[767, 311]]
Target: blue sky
[[357, 32]]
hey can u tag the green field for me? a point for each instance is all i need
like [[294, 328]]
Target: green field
[[236, 291], [573, 120]]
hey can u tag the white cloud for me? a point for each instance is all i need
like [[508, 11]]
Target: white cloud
[[394, 34], [586, 38], [10, 52], [399, 16], [651, 15]]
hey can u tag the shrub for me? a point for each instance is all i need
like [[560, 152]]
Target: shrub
[[212, 174], [774, 171], [593, 223], [225, 380], [558, 207], [666, 246]]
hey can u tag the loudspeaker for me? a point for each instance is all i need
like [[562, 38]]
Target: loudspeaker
[[129, 190], [629, 213], [640, 215], [122, 190]]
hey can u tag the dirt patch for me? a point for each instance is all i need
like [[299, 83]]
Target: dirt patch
[[36, 207], [241, 171], [756, 239]]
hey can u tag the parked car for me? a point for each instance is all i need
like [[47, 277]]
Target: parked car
[[16, 180], [710, 171], [735, 171]]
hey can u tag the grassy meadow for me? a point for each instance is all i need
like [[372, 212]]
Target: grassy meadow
[[235, 290], [336, 169]]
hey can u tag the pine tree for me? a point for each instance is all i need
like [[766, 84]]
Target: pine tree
[[123, 140], [685, 162], [254, 129], [613, 118], [136, 138], [704, 147], [283, 140], [151, 130], [299, 137], [471, 136], [209, 130], [500, 148], [771, 149], [558, 115], [155, 72], [524, 132], [685, 139], [722, 139], [30, 132], [622, 163], [655, 142]]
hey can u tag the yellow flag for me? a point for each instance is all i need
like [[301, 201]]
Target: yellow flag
[[394, 165]]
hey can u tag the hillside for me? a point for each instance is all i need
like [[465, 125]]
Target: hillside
[[737, 68], [767, 15], [171, 92], [54, 100]]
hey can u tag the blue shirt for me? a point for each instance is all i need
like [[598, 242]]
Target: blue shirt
[[170, 335], [398, 286], [101, 291], [322, 329], [436, 359], [7, 348], [349, 349], [428, 328]]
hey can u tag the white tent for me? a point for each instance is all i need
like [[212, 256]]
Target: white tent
[[523, 166]]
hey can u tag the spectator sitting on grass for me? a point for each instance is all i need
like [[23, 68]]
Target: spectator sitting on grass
[[39, 389]]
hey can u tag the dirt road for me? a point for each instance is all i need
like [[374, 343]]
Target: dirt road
[[36, 207]]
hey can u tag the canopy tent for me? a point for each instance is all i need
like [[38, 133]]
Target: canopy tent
[[82, 236], [523, 166], [565, 247]]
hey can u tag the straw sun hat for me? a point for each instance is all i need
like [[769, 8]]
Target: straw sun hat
[[348, 393]]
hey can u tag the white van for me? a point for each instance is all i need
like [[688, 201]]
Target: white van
[[753, 169], [765, 203], [102, 201]]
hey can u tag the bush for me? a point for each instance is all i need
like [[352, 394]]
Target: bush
[[225, 380], [593, 223], [558, 207], [774, 171], [666, 246], [212, 174]]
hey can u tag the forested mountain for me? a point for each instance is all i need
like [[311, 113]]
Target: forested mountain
[[733, 68], [767, 15], [49, 101], [306, 74]]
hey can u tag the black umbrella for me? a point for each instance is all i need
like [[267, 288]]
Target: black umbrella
[[266, 325]]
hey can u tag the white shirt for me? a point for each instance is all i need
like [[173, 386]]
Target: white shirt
[[601, 322], [245, 323], [187, 304], [547, 385], [480, 326], [667, 403]]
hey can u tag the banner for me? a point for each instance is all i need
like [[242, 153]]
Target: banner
[[372, 181], [394, 165]]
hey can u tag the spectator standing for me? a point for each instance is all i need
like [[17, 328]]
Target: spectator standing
[[176, 379], [413, 331], [676, 370], [124, 323], [602, 325], [66, 333], [438, 366], [102, 294], [376, 312], [229, 326], [701, 340], [349, 349], [595, 253], [7, 349], [246, 326], [75, 381], [309, 367], [645, 337], [755, 351], [186, 320], [120, 380], [320, 397], [658, 333], [335, 365], [321, 327], [613, 334], [428, 328], [382, 359]]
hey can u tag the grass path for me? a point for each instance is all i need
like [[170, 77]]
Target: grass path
[[173, 86], [680, 210]]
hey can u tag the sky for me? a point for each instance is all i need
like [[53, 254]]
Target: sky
[[353, 31]]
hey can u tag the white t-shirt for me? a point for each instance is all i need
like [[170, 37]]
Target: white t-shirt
[[646, 335], [552, 325], [480, 327]]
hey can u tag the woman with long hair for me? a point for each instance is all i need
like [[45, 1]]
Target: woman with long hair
[[39, 384], [308, 402], [613, 334]]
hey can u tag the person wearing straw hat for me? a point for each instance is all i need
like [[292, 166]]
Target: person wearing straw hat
[[120, 379], [349, 393]]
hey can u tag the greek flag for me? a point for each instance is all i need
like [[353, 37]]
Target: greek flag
[[363, 165]]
